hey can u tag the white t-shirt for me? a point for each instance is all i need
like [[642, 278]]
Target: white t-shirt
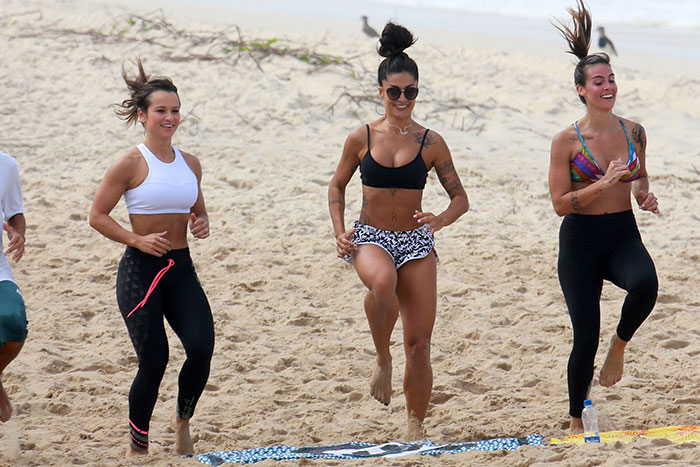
[[10, 204]]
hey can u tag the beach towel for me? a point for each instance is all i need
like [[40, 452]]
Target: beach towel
[[358, 450], [676, 434]]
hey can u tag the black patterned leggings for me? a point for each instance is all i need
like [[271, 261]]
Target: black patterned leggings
[[178, 298], [593, 248]]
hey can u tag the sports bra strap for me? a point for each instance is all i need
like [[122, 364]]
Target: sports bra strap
[[423, 142], [367, 125]]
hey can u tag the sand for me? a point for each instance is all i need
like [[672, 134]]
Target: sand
[[293, 351]]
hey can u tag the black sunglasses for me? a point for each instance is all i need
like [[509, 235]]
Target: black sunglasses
[[394, 92]]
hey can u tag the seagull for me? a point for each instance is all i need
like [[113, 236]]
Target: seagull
[[367, 29], [604, 41]]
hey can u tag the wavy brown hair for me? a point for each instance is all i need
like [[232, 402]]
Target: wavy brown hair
[[579, 40], [140, 89]]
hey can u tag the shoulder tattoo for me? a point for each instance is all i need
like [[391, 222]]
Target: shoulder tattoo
[[418, 138], [639, 137]]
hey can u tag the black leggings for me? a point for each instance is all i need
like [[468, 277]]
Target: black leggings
[[180, 299], [593, 248]]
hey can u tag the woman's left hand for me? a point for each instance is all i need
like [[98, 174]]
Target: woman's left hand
[[431, 220], [648, 202], [199, 226]]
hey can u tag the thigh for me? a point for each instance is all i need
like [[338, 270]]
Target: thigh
[[417, 293], [13, 317], [630, 265], [581, 274], [188, 312], [374, 266]]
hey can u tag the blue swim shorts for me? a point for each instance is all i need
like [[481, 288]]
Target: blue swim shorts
[[13, 317]]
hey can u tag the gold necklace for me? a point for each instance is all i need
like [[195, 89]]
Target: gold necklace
[[403, 132]]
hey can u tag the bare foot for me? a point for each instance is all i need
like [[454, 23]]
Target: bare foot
[[380, 384], [611, 372], [576, 426], [133, 452], [183, 441], [415, 428], [5, 406]]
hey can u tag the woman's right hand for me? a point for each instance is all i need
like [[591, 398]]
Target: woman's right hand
[[154, 244], [616, 169], [344, 245]]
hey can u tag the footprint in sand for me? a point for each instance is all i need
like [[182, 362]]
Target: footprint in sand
[[12, 447]]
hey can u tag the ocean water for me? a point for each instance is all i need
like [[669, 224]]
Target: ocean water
[[660, 13], [664, 28], [670, 13]]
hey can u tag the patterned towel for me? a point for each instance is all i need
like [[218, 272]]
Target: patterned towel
[[357, 450], [677, 434]]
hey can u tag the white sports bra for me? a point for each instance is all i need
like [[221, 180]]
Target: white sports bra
[[169, 188]]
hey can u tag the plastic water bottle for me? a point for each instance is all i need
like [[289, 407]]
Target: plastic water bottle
[[590, 423]]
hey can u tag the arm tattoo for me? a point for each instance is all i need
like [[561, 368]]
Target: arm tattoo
[[336, 201], [639, 137], [418, 138], [448, 177], [574, 201]]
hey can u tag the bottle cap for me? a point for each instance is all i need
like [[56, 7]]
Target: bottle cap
[[587, 402]]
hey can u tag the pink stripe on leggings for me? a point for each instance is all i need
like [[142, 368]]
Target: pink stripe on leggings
[[136, 428], [156, 279]]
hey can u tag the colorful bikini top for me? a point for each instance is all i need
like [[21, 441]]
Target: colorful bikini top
[[584, 167], [411, 176]]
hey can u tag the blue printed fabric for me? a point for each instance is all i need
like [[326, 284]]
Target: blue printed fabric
[[357, 450]]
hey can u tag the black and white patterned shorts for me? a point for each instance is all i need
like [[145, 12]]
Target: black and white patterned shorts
[[402, 245]]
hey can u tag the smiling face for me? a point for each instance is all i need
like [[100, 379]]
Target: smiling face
[[162, 117], [600, 89], [401, 108]]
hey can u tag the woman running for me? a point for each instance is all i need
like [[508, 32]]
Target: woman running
[[156, 278], [595, 164], [391, 246]]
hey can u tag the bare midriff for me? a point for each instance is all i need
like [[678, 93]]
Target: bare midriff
[[390, 208], [174, 224], [614, 199]]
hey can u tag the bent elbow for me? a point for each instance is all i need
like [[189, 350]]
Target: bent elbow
[[93, 220], [561, 210]]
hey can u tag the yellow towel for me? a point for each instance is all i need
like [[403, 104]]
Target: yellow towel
[[677, 434]]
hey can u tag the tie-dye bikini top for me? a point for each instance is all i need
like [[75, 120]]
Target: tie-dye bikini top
[[584, 167]]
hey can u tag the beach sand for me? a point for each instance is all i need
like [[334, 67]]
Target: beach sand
[[293, 350]]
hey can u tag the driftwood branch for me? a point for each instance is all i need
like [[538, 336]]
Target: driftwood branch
[[181, 45]]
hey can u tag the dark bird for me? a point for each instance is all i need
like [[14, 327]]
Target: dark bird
[[367, 29], [604, 41]]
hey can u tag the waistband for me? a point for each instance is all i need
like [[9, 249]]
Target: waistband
[[179, 254], [367, 227]]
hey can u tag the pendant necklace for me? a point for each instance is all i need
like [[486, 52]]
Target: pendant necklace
[[403, 131]]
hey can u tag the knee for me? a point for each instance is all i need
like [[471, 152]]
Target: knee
[[646, 286], [201, 351], [383, 290], [154, 363], [418, 350], [584, 348]]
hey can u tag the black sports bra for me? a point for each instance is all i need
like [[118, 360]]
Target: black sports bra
[[411, 176]]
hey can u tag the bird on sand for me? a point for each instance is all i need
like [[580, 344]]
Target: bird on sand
[[604, 41], [367, 29]]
